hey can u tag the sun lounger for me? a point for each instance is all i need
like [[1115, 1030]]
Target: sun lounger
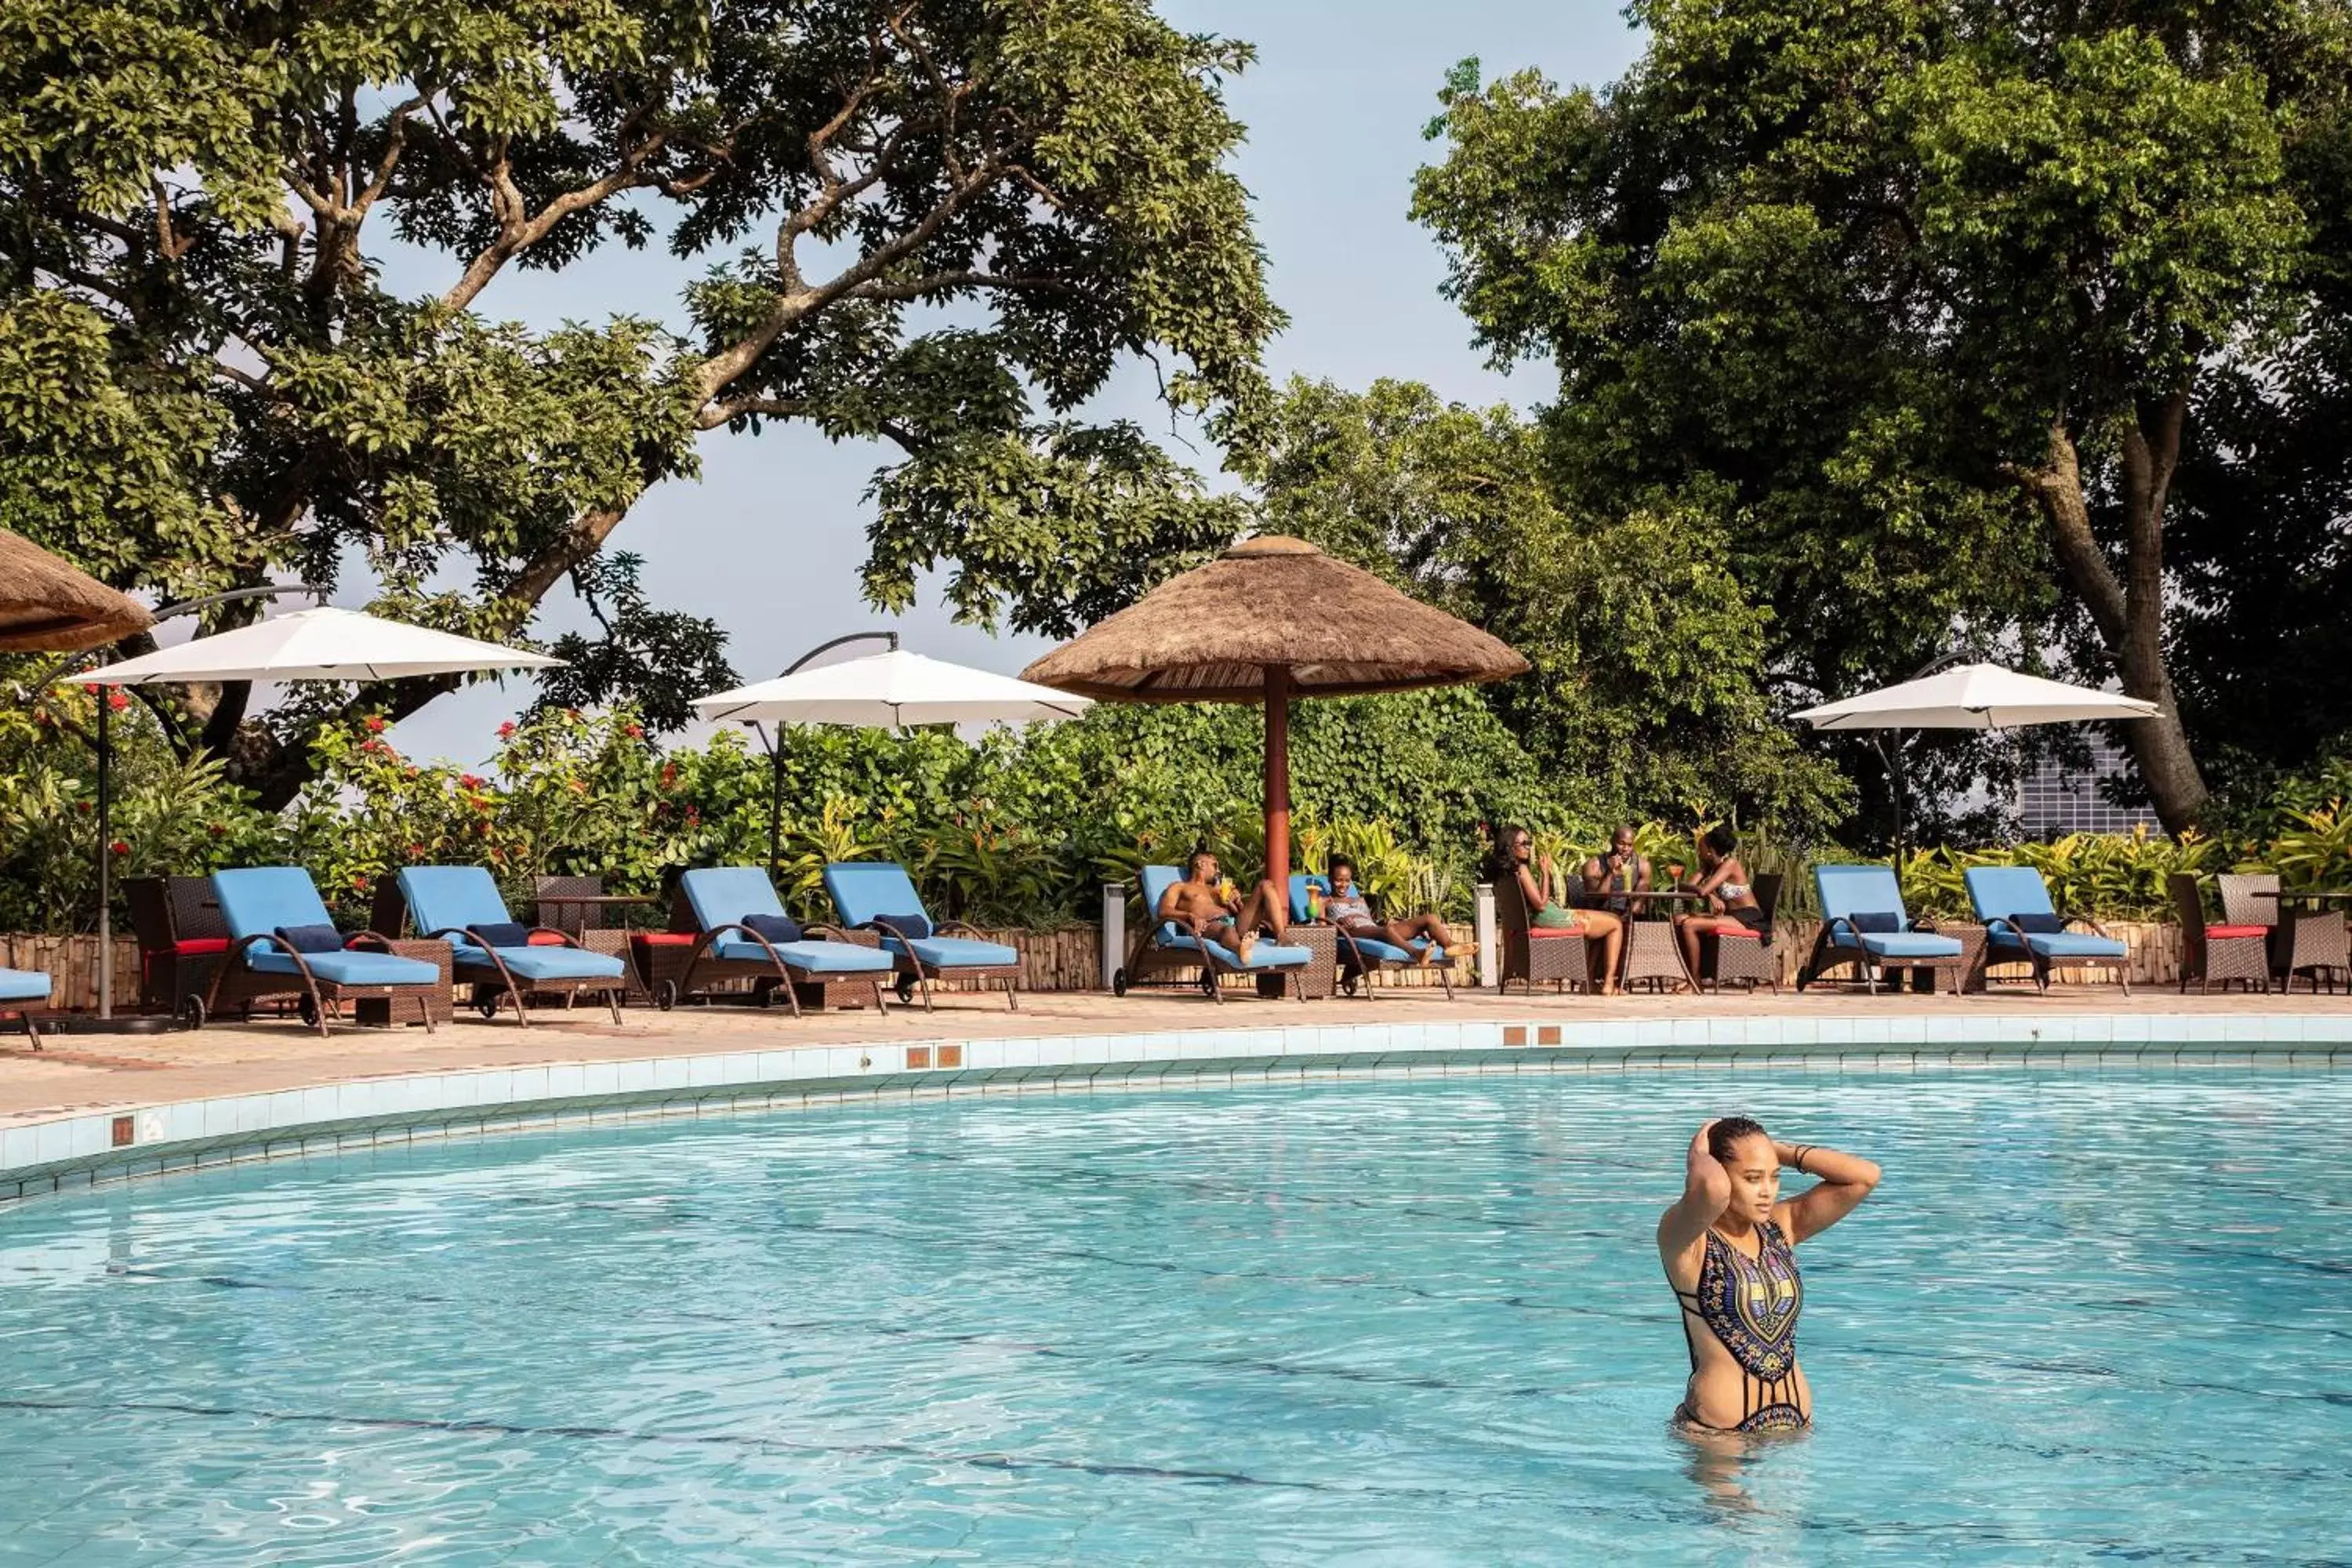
[[25, 994], [1362, 955], [729, 904], [282, 942], [1165, 947], [496, 955], [1863, 923], [879, 895], [2022, 926]]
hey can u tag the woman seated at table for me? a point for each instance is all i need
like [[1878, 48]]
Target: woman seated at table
[[1346, 907], [1515, 863], [1730, 895]]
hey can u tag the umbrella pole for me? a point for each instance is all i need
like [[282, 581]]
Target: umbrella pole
[[1277, 774], [105, 854], [776, 803]]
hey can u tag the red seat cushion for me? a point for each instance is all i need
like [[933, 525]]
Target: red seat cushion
[[665, 938], [200, 946], [1536, 931], [1739, 934], [548, 939], [2237, 930]]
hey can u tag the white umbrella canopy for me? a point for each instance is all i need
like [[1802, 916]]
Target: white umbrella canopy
[[1974, 697], [316, 645], [891, 691]]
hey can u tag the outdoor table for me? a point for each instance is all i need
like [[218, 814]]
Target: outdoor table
[[2309, 938], [1652, 953], [1321, 976], [438, 1001], [553, 908]]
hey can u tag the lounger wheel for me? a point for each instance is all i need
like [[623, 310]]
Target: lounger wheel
[[666, 995], [1208, 982], [308, 1011], [1118, 981], [485, 1001], [191, 1011], [764, 992], [905, 988]]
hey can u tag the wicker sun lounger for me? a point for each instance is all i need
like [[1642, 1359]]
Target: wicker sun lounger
[[282, 942], [1173, 953], [879, 895], [2021, 925], [1864, 924], [1360, 956], [725, 901], [496, 955]]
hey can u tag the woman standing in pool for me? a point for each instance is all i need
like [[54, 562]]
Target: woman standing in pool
[[1729, 1248]]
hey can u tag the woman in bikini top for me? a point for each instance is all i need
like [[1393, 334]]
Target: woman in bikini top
[[1729, 1249]]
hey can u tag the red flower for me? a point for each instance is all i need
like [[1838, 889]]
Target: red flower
[[118, 700], [507, 730], [572, 714], [637, 732], [83, 806], [374, 723], [119, 847], [470, 781], [693, 817], [415, 850], [359, 881], [219, 830], [370, 747], [668, 774]]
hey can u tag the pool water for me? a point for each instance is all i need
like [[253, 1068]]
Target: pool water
[[2087, 1316]]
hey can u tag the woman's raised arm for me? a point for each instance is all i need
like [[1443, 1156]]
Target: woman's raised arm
[[1706, 1190], [1845, 1181]]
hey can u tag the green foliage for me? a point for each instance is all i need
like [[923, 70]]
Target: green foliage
[[2102, 876], [203, 382]]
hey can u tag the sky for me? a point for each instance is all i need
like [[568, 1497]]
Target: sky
[[767, 543]]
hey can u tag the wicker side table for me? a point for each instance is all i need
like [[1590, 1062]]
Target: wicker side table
[[1651, 955], [614, 943], [1967, 975], [378, 1010], [1321, 976]]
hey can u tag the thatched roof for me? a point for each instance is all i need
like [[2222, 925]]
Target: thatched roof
[[47, 606], [1210, 635]]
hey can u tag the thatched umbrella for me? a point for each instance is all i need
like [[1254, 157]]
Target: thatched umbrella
[[47, 606], [1271, 619]]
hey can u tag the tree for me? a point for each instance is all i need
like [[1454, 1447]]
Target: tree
[[1648, 656], [939, 224], [1929, 292]]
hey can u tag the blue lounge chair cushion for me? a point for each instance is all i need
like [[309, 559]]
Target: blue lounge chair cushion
[[458, 897], [346, 967], [258, 899], [1390, 953], [2059, 944], [725, 895], [24, 985], [918, 926], [867, 891], [1875, 921], [1903, 944], [813, 957], [526, 962], [956, 952], [313, 939], [776, 928], [1263, 954]]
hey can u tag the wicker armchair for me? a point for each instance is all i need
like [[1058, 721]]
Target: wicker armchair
[[2305, 941], [182, 938], [572, 919], [1564, 959], [1751, 959], [2215, 954]]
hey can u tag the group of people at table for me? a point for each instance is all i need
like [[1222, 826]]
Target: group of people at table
[[1612, 886]]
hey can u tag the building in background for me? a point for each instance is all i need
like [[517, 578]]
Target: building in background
[[2054, 799]]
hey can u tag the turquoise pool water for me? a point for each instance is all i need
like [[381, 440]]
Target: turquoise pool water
[[2087, 1317]]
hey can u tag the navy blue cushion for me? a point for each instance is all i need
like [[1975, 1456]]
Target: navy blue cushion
[[2038, 925], [1875, 921], [504, 934], [913, 927], [313, 939], [776, 928]]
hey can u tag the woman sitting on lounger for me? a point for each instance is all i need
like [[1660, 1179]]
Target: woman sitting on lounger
[[1515, 850], [1346, 908], [1730, 897]]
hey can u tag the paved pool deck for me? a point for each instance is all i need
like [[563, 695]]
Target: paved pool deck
[[82, 1075]]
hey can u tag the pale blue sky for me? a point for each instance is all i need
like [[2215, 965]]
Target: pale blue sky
[[770, 540]]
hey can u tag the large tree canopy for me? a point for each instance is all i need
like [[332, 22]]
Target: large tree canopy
[[203, 382], [1932, 300]]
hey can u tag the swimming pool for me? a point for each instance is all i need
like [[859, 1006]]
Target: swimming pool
[[2088, 1315]]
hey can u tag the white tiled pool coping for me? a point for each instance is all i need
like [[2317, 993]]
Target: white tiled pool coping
[[66, 1151]]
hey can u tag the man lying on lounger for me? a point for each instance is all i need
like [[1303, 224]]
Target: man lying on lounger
[[1224, 913]]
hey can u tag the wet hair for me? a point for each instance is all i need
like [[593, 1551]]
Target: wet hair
[[1331, 866], [1200, 852], [1728, 1134], [1721, 839]]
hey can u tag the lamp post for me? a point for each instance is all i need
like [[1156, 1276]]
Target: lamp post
[[775, 743]]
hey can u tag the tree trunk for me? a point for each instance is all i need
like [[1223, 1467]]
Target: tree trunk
[[2129, 612]]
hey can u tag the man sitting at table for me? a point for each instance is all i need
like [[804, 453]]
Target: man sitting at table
[[1346, 907], [1223, 914], [1624, 869]]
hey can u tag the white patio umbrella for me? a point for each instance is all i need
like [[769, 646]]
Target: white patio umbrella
[[887, 690], [323, 644], [1968, 697]]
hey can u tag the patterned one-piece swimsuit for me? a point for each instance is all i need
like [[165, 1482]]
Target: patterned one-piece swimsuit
[[1751, 1306]]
